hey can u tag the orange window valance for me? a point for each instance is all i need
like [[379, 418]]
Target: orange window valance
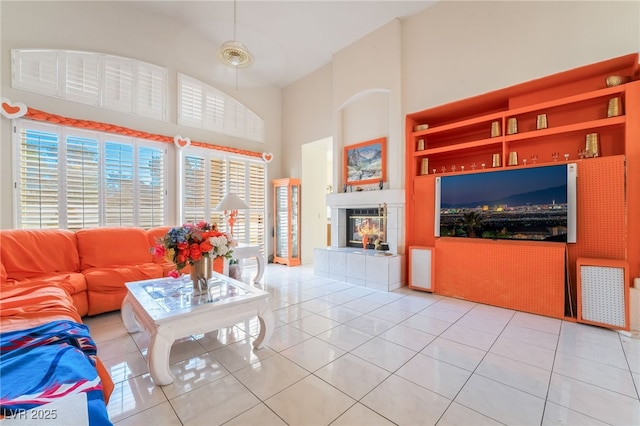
[[37, 115]]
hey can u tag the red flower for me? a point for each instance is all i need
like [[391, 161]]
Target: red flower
[[174, 274], [194, 251], [206, 246]]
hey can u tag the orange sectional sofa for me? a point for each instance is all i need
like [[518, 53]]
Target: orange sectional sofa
[[49, 279], [91, 265]]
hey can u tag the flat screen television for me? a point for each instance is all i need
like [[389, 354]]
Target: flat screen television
[[532, 203]]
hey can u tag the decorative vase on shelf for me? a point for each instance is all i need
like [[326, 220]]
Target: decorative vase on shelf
[[365, 241], [201, 272]]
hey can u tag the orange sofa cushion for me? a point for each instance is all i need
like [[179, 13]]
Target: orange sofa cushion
[[27, 253], [30, 304], [100, 247], [3, 274], [106, 288]]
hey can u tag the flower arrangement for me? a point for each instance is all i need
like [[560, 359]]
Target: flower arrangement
[[190, 242]]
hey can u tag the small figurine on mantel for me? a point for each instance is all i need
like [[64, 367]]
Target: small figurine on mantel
[[344, 188], [381, 184]]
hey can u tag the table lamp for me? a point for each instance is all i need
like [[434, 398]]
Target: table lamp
[[230, 205]]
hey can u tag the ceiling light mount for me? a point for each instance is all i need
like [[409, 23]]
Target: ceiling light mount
[[234, 53]]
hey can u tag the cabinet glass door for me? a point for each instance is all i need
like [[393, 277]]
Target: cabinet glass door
[[281, 222], [294, 222]]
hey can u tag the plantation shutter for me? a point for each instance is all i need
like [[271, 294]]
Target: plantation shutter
[[257, 203], [35, 71], [190, 101], [82, 182], [217, 180], [82, 77], [151, 187], [150, 100], [213, 110], [118, 84], [194, 189], [233, 118], [38, 179], [120, 196], [254, 126], [237, 184]]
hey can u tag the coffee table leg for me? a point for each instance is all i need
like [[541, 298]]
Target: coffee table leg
[[159, 350], [260, 272], [128, 317], [265, 316]]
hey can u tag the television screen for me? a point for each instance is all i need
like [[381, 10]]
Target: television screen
[[534, 203]]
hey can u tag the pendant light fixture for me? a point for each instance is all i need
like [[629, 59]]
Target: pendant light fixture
[[234, 53]]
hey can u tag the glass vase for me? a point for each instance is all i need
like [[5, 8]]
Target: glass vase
[[201, 272]]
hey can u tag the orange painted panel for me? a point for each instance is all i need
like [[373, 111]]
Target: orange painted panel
[[522, 275], [600, 213], [632, 149], [424, 203]]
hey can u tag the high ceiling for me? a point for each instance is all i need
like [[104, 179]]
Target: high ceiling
[[288, 39]]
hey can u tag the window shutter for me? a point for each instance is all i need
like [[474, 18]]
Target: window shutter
[[217, 183], [254, 126], [257, 202], [233, 117], [82, 182], [205, 107], [194, 189], [35, 71], [236, 183], [119, 193], [189, 101], [38, 179], [213, 110], [82, 77], [118, 84], [150, 99], [151, 193]]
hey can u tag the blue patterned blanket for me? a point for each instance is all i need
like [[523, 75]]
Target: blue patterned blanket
[[42, 364]]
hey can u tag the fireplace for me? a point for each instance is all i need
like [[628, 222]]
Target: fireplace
[[361, 222], [345, 260]]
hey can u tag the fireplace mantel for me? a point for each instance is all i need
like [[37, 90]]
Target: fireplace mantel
[[353, 265], [347, 200]]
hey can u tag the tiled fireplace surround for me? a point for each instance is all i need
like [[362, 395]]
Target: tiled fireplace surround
[[369, 268]]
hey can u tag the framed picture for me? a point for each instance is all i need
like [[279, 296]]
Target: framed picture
[[365, 162]]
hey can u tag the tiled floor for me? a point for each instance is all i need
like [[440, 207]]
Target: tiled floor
[[346, 355]]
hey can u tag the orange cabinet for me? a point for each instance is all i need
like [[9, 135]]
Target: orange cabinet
[[535, 123], [286, 216]]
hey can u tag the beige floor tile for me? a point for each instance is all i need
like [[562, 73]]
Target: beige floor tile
[[310, 401], [352, 375], [270, 376], [406, 403], [214, 403]]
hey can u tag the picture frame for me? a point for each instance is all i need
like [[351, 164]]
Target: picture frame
[[365, 162]]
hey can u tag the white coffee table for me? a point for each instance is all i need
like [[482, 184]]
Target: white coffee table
[[168, 310]]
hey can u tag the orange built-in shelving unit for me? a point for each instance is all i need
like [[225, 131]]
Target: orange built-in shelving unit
[[531, 276]]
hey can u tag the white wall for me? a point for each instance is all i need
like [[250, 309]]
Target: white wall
[[117, 28], [315, 178], [457, 49], [369, 73]]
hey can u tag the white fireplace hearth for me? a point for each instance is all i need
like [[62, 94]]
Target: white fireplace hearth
[[356, 265]]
